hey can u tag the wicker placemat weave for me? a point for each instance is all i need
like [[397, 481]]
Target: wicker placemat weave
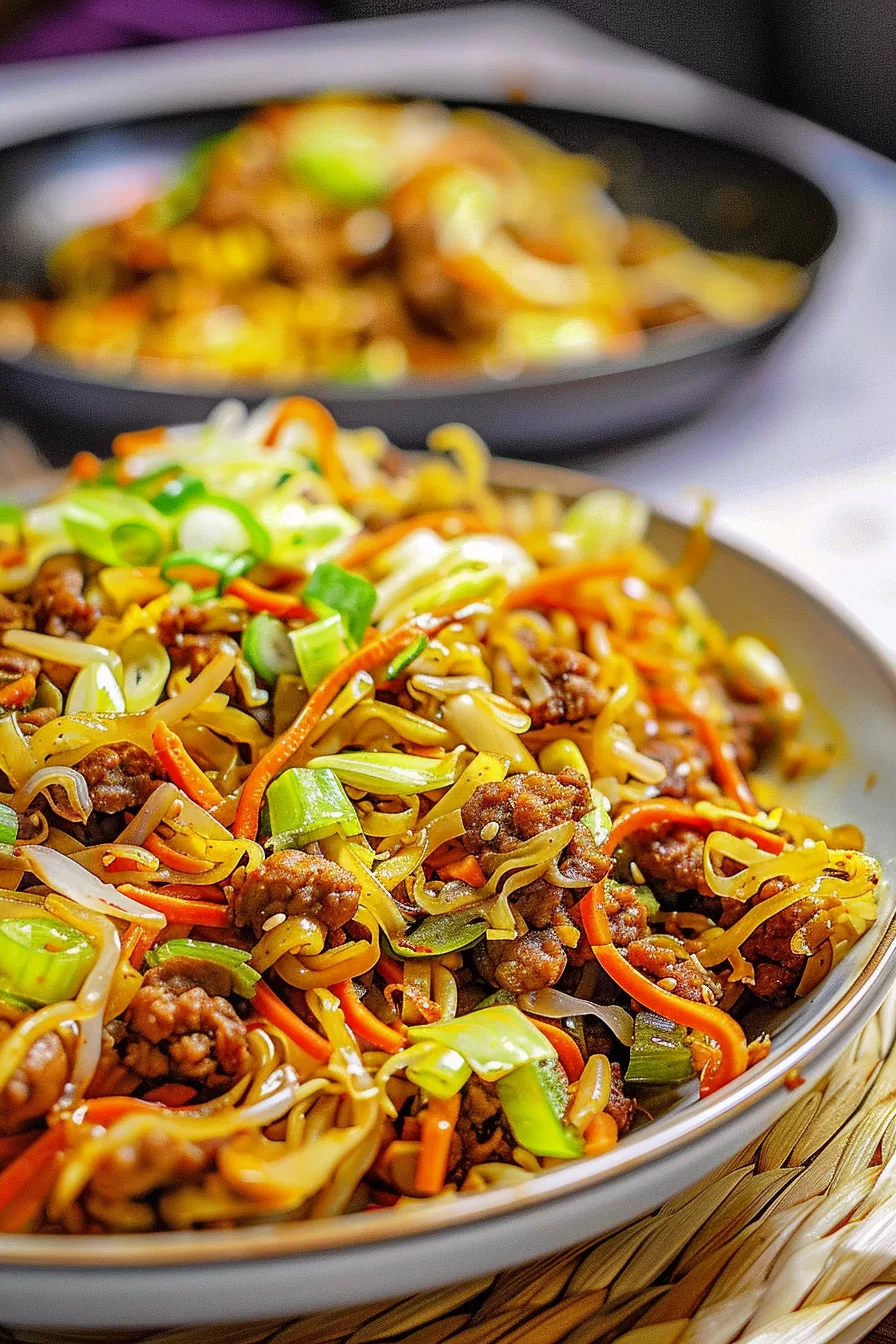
[[791, 1242]]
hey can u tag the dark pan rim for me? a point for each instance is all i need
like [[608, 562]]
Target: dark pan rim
[[663, 349], [340, 1236]]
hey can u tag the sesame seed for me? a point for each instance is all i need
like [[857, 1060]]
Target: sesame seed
[[637, 875], [667, 982], [489, 831], [273, 922]]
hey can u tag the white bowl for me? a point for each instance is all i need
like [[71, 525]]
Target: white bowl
[[164, 1279]]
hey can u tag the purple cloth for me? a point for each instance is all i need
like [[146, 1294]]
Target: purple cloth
[[83, 26]]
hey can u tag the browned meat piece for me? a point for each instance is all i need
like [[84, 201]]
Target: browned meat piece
[[58, 598], [36, 718], [111, 1077], [754, 735], [157, 1160], [481, 1135], [684, 977], [574, 692], [15, 615], [620, 1107], [440, 303], [196, 651], [14, 665], [120, 776], [626, 914], [523, 806], [685, 760], [61, 674], [291, 882], [192, 620], [181, 1025], [671, 861], [778, 968], [533, 961], [37, 1084]]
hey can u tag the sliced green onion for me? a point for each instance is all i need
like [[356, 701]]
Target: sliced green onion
[[95, 690], [9, 825], [177, 494], [114, 527], [605, 521], [333, 589], [268, 649], [43, 959], [146, 667], [390, 772], [223, 563], [494, 1041], [659, 1053], [12, 520], [405, 658], [15, 1001], [341, 152], [319, 648], [222, 524], [438, 934], [534, 1099], [242, 977], [441, 1072], [306, 805]]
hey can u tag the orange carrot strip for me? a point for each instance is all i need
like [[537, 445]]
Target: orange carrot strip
[[86, 467], [557, 586], [12, 1145], [673, 812], [179, 911], [326, 431], [362, 1021], [285, 605], [728, 773], [188, 891], [174, 858], [568, 1052], [182, 770], [281, 752], [390, 970], [135, 440], [601, 1135], [17, 693], [447, 522], [466, 870], [274, 1010], [713, 1022], [171, 1094], [437, 1125], [23, 1174]]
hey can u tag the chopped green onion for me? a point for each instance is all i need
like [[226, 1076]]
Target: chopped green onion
[[605, 521], [95, 690], [43, 959], [659, 1053], [242, 977], [114, 527], [390, 772], [15, 1001], [319, 648], [12, 520], [342, 153], [306, 805], [333, 589], [267, 647], [218, 523], [177, 494], [534, 1099], [493, 1041], [9, 825], [223, 563], [441, 1072], [146, 667], [438, 934], [405, 658]]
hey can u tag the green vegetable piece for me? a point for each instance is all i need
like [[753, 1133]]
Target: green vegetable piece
[[605, 521], [319, 648], [438, 934], [9, 825], [268, 648], [659, 1053], [43, 959], [12, 520], [338, 151], [182, 198], [500, 996], [333, 589], [390, 772], [242, 977], [222, 524], [114, 527], [177, 494], [405, 658], [441, 1072], [14, 1001], [493, 1041], [533, 1098], [223, 563], [95, 690], [306, 805]]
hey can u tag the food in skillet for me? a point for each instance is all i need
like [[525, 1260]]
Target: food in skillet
[[369, 836], [363, 240]]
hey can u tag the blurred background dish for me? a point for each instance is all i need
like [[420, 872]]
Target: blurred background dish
[[278, 256]]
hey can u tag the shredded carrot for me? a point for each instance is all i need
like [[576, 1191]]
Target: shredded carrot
[[568, 1052], [306, 410], [86, 467], [274, 1010], [558, 585], [182, 770], [447, 522], [437, 1126], [728, 773], [17, 693], [363, 1023], [135, 440], [285, 605], [11, 556], [601, 1135], [171, 1094], [136, 943], [12, 1145], [467, 869], [175, 858], [189, 891], [176, 910], [674, 812], [26, 1181], [713, 1022], [281, 752], [390, 970]]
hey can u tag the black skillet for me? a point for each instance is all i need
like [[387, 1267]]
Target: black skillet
[[722, 196]]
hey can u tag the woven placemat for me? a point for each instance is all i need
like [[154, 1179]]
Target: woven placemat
[[791, 1242]]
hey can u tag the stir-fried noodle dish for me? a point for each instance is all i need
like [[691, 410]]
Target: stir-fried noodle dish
[[370, 836], [362, 240]]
